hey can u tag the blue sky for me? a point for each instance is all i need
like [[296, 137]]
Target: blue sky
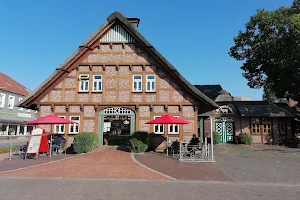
[[195, 36]]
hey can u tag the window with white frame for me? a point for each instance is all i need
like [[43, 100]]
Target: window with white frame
[[11, 102], [74, 128], [84, 82], [158, 128], [20, 99], [137, 83], [173, 128], [150, 83], [2, 100], [59, 128], [97, 83], [28, 110]]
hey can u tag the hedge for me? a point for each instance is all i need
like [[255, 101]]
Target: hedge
[[85, 142]]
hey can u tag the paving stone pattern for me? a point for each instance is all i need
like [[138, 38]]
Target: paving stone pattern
[[103, 163]]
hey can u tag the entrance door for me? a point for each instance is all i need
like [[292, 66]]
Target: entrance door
[[115, 126], [224, 126]]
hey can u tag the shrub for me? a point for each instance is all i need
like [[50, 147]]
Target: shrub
[[141, 135], [137, 146], [85, 142], [244, 138], [216, 137], [139, 141]]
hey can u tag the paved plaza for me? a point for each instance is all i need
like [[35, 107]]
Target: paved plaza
[[240, 172], [95, 189]]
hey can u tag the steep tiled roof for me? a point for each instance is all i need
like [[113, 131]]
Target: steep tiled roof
[[10, 85], [116, 16]]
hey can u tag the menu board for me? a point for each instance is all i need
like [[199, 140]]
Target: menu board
[[35, 141]]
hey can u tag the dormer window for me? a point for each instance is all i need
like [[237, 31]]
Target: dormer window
[[84, 83], [9, 84]]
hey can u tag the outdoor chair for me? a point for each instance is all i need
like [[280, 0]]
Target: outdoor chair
[[58, 148], [62, 147]]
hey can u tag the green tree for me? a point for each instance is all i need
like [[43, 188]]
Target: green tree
[[270, 50], [270, 96]]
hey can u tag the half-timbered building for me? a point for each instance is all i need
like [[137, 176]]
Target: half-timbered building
[[114, 83]]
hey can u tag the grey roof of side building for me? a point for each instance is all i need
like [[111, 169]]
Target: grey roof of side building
[[119, 16], [264, 109], [244, 107], [209, 90]]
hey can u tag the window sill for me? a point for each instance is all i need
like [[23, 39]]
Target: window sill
[[137, 91], [159, 133], [173, 133], [94, 92], [83, 91], [150, 92]]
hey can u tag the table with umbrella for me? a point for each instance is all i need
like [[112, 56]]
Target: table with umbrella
[[168, 119], [50, 120]]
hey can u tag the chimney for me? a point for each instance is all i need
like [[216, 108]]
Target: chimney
[[134, 22]]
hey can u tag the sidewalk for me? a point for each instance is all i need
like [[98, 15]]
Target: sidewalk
[[4, 156]]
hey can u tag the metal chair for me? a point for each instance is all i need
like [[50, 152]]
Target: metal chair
[[62, 147]]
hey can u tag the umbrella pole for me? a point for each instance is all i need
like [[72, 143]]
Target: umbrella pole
[[167, 146], [50, 142]]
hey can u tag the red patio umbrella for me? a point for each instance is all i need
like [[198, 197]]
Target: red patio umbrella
[[168, 119], [50, 119]]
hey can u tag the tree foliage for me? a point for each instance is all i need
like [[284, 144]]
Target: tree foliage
[[271, 97], [270, 49]]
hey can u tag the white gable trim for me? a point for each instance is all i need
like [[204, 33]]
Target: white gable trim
[[117, 34]]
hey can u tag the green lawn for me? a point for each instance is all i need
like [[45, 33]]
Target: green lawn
[[6, 150]]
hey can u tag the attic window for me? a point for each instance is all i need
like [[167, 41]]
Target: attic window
[[84, 83], [19, 87], [9, 84]]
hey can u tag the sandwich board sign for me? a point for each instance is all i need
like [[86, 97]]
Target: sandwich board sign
[[35, 142]]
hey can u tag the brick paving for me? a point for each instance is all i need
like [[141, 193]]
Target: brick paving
[[17, 162], [181, 170], [103, 163]]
